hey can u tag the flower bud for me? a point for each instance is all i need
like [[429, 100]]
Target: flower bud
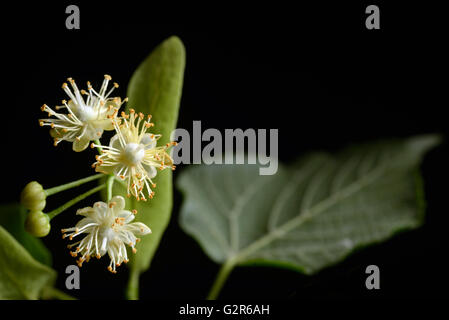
[[37, 223], [33, 196]]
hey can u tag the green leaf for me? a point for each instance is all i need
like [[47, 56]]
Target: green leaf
[[309, 215], [155, 88], [12, 218], [21, 276]]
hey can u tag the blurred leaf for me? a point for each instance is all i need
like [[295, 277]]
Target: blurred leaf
[[21, 276], [12, 218], [309, 215], [155, 88]]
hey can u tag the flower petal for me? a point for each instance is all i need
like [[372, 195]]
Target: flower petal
[[106, 169], [54, 133], [84, 222], [101, 210], [102, 124], [87, 211], [148, 142], [138, 228], [103, 246], [114, 103], [151, 170], [81, 144], [115, 142], [127, 215], [119, 203]]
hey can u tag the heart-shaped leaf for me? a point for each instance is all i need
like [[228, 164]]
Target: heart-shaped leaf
[[21, 276], [309, 215], [155, 88]]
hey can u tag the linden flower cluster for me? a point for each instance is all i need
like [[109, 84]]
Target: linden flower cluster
[[86, 119], [132, 157], [108, 228]]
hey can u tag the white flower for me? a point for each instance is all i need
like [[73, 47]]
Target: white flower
[[86, 119], [133, 155], [108, 229]]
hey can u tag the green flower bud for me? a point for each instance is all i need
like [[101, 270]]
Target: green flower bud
[[37, 223], [33, 196]]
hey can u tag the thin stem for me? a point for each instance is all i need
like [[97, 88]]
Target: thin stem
[[221, 278], [99, 149], [72, 184], [70, 203], [110, 184], [132, 291]]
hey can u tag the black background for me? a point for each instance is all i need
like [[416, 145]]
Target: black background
[[314, 72]]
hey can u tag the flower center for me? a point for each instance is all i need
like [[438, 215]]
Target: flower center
[[133, 153], [86, 114]]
